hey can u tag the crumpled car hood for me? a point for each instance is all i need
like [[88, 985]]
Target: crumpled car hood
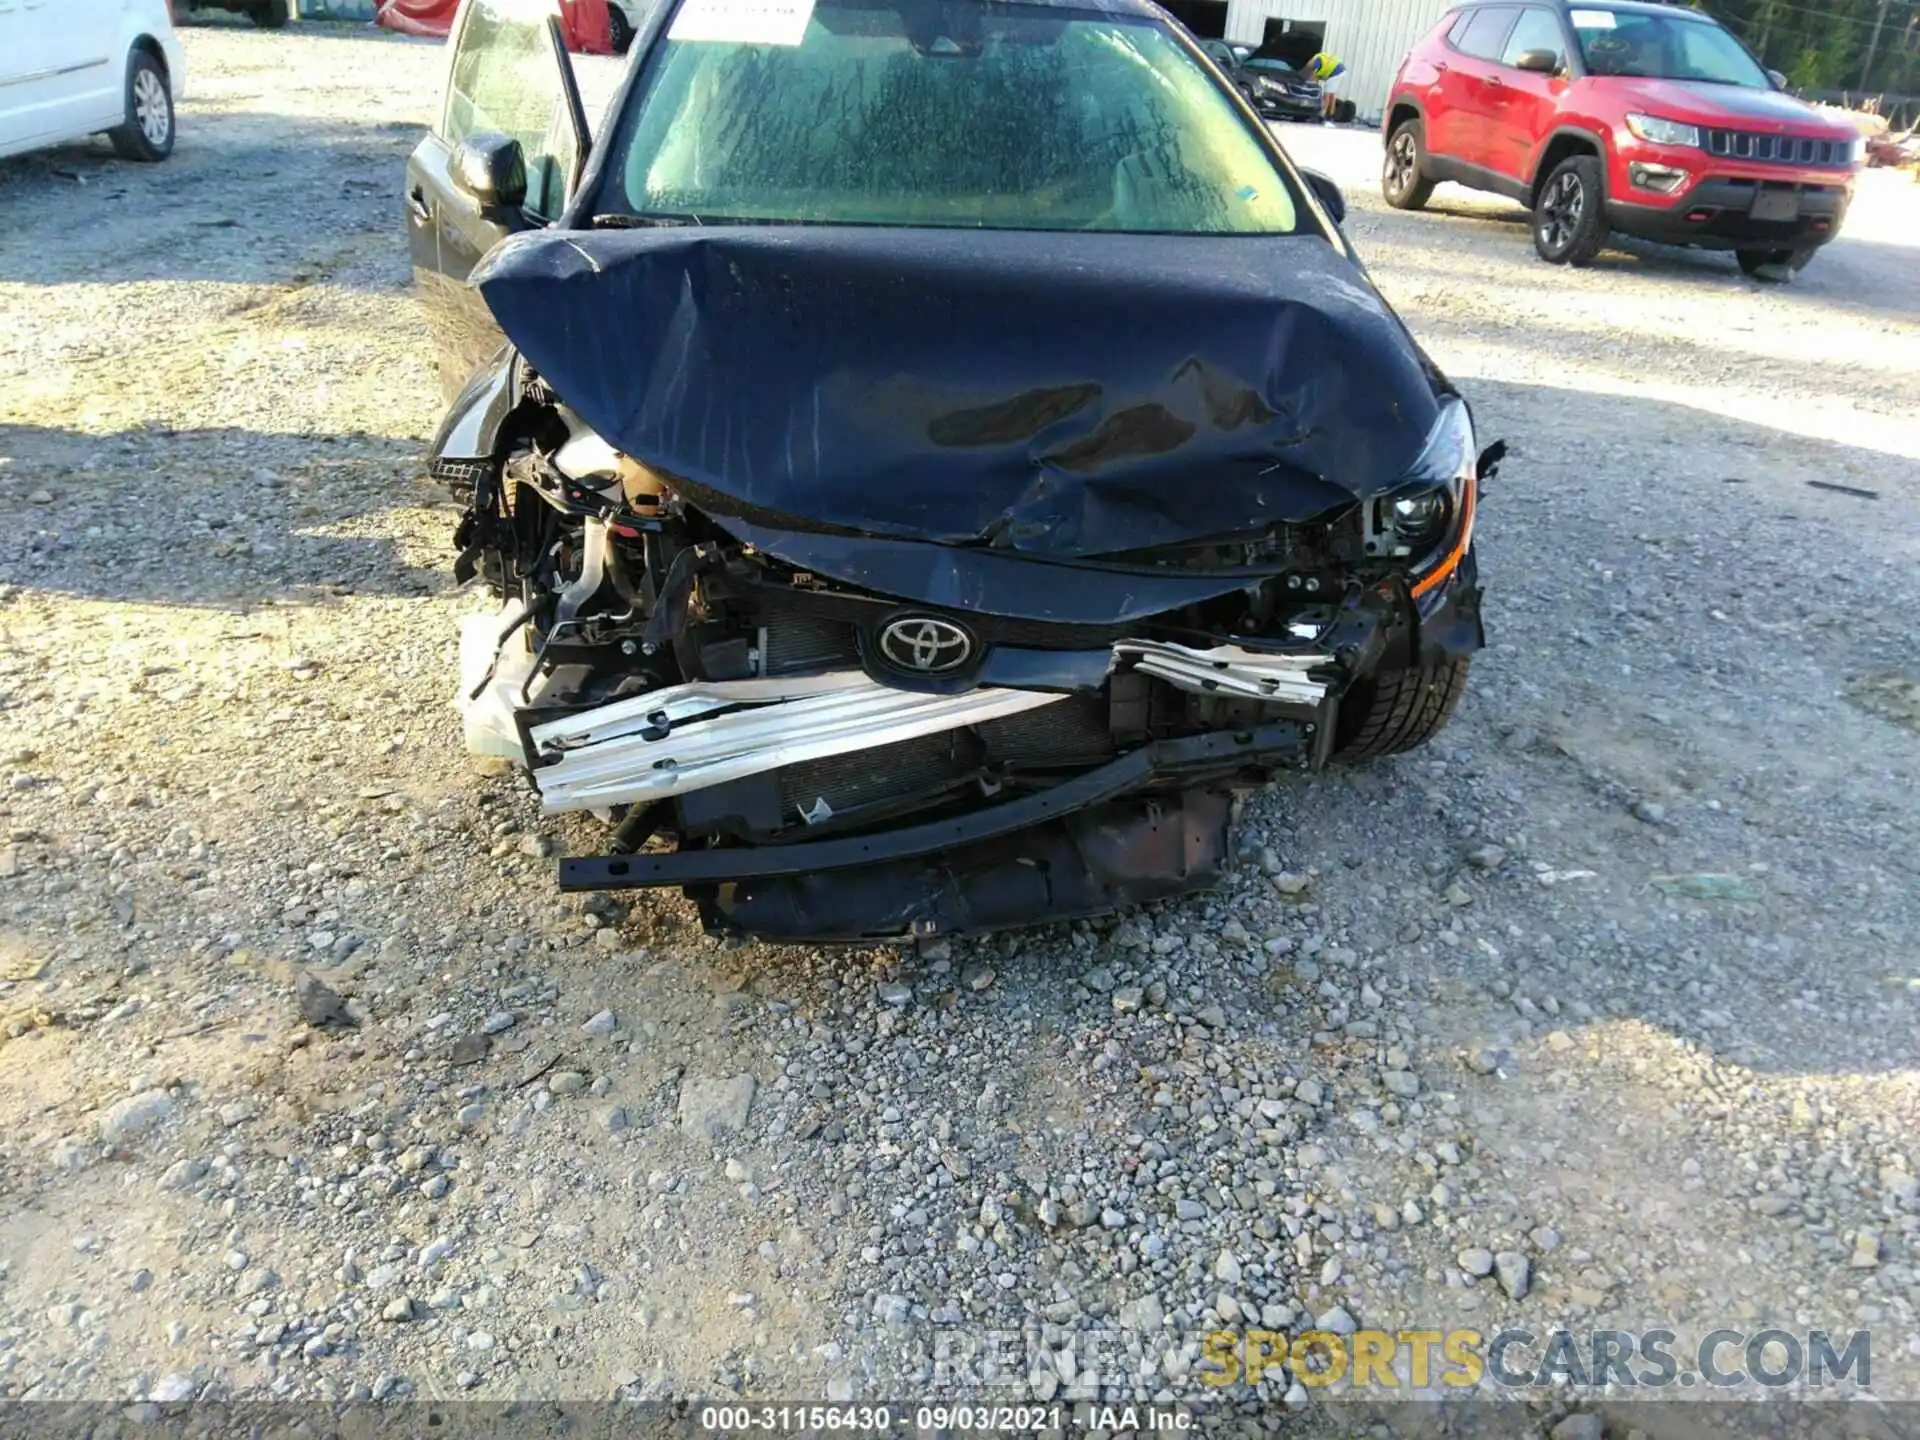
[[1058, 395]]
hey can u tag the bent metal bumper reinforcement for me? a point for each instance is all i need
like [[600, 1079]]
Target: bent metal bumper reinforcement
[[688, 737], [1228, 670], [1284, 741]]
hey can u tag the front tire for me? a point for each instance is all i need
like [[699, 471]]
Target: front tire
[[1402, 181], [269, 14], [147, 133], [1398, 710], [1570, 215], [620, 29], [1774, 266]]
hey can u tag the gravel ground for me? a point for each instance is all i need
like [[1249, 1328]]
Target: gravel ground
[[1468, 1040]]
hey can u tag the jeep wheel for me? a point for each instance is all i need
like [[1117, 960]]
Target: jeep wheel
[[1776, 266], [620, 29], [1401, 180], [147, 132], [1570, 215], [1398, 710], [269, 14]]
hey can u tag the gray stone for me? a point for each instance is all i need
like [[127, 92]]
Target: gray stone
[[712, 1107], [1477, 1262], [173, 1390], [1513, 1271], [1336, 1321], [566, 1082], [602, 1024], [134, 1116], [1127, 999], [1580, 1427], [183, 1175], [1402, 1083]]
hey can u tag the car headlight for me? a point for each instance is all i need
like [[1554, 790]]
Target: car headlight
[[1663, 132], [1416, 515], [1856, 150]]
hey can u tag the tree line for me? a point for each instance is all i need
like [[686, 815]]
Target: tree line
[[1865, 47]]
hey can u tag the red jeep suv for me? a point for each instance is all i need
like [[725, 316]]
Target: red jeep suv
[[1642, 118]]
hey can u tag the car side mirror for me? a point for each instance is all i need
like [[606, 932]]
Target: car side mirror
[[1328, 194], [491, 170], [1779, 80], [1541, 62]]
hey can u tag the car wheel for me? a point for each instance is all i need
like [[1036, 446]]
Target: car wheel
[[1401, 180], [1777, 266], [1570, 215], [1398, 710], [621, 28], [147, 132], [269, 14]]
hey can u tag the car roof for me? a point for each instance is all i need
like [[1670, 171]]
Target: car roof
[[1630, 7]]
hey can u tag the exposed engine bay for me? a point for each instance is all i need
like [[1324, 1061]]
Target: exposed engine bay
[[813, 760]]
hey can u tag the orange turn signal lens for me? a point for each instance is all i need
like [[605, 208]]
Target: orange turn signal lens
[[1457, 551]]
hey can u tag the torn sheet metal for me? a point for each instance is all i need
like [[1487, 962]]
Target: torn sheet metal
[[1061, 395], [1229, 670]]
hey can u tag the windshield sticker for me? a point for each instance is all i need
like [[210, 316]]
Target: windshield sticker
[[743, 22], [1591, 19]]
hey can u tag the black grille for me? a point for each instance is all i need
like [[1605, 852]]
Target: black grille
[[863, 777], [795, 644], [1776, 149], [1070, 734], [1064, 735]]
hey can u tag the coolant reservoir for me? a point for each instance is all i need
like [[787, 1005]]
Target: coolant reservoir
[[592, 461]]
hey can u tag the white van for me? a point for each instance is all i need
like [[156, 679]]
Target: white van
[[74, 68]]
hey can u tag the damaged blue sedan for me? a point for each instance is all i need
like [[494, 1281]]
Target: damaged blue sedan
[[929, 455]]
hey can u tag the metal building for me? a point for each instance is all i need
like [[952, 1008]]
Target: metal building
[[1371, 36]]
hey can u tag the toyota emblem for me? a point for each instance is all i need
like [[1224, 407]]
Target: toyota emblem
[[926, 645]]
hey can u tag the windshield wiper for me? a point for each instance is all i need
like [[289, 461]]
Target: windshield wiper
[[641, 222]]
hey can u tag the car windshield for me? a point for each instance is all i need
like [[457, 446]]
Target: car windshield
[[1663, 47], [939, 113]]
